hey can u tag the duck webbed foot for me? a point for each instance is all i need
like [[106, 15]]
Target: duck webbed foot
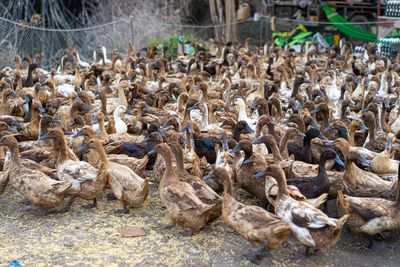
[[67, 207], [26, 202], [110, 197], [166, 225], [255, 255], [125, 210], [374, 246], [91, 205], [302, 256]]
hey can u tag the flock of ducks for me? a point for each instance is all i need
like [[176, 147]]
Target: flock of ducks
[[293, 129]]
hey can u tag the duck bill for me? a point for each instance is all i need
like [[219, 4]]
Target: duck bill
[[84, 147], [247, 161], [339, 162], [235, 149], [44, 137], [192, 108], [286, 121], [377, 101], [146, 140], [261, 174], [129, 112], [77, 134], [323, 136], [10, 129], [389, 143], [313, 123], [69, 133], [314, 111], [86, 108], [253, 105], [386, 103], [14, 94], [272, 123], [330, 143], [220, 109], [363, 160], [190, 129], [41, 109], [259, 141], [152, 152], [56, 121], [362, 126], [209, 177], [301, 134], [165, 125], [301, 106], [330, 128], [249, 129], [16, 124], [95, 120], [160, 132]]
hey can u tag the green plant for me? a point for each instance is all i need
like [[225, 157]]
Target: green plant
[[172, 42]]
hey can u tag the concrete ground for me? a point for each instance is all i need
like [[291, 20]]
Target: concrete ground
[[90, 238]]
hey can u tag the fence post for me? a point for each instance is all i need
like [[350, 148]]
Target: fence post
[[131, 22]]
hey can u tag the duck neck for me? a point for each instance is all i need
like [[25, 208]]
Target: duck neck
[[14, 159], [282, 187], [242, 113], [228, 192], [63, 150], [205, 117], [204, 97], [371, 134], [325, 121], [169, 171], [102, 154], [352, 134], [378, 119], [179, 158], [321, 167], [271, 131], [302, 126], [102, 129], [103, 99], [275, 152], [34, 119], [117, 118], [283, 146], [348, 173], [122, 97], [236, 134]]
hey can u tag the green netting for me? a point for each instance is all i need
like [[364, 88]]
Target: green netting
[[347, 28]]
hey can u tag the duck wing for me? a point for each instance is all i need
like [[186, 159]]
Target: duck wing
[[369, 208], [183, 200], [305, 215]]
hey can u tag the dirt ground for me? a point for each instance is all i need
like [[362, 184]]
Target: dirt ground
[[90, 238]]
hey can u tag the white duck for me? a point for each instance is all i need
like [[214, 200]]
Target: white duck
[[120, 125], [243, 113]]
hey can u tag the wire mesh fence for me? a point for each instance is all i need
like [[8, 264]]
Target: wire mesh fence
[[28, 40]]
